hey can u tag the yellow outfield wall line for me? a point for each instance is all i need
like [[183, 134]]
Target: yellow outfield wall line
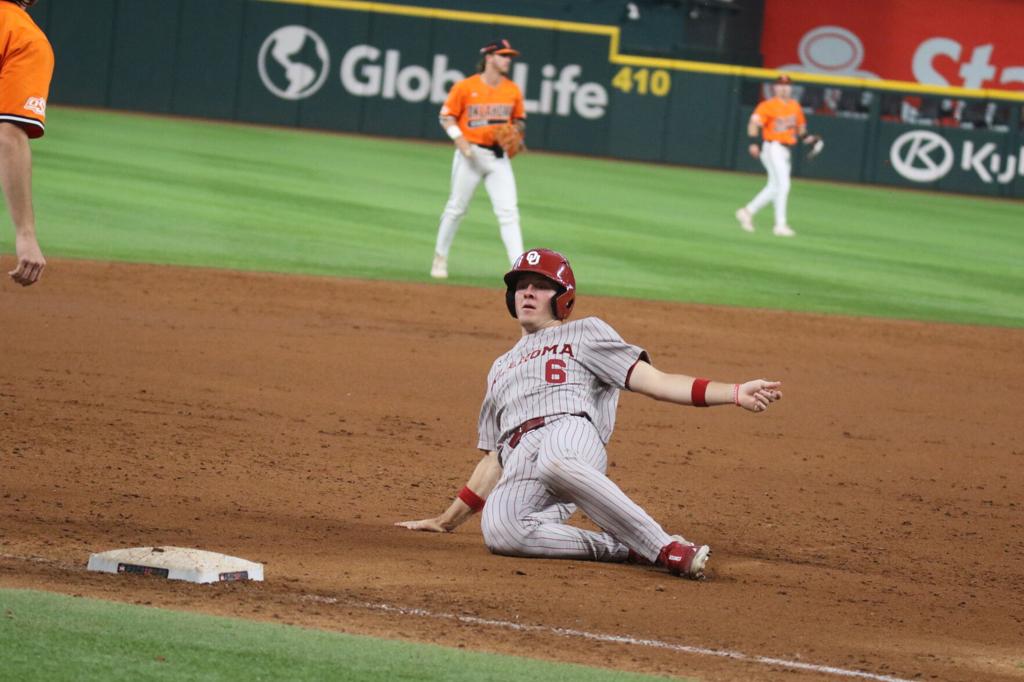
[[614, 57]]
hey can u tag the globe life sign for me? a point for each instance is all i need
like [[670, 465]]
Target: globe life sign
[[294, 62]]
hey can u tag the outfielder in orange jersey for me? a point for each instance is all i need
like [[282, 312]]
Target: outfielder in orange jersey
[[26, 65], [476, 107], [781, 122]]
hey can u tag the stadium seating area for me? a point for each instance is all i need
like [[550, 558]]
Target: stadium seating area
[[904, 108]]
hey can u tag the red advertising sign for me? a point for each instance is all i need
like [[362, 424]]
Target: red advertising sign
[[975, 44]]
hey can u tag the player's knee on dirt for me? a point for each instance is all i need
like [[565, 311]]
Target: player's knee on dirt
[[507, 538]]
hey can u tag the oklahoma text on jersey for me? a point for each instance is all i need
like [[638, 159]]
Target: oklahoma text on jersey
[[537, 352]]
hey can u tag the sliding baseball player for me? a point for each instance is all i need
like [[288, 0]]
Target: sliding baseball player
[[548, 412]]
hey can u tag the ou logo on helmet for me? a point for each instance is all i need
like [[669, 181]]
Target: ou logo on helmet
[[533, 258], [921, 156], [293, 62]]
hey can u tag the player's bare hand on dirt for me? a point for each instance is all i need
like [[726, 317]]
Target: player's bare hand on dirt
[[30, 261], [433, 525], [758, 394], [755, 151]]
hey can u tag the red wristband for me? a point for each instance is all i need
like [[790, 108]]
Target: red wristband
[[474, 501], [697, 391], [736, 393]]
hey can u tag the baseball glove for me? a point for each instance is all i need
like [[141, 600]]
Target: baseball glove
[[815, 144], [510, 138]]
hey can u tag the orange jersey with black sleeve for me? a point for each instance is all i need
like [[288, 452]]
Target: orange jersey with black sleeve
[[779, 119], [478, 107], [26, 66]]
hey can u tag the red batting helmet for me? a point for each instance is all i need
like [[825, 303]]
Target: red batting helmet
[[553, 266]]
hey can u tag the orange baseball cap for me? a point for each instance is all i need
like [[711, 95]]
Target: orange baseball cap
[[502, 47]]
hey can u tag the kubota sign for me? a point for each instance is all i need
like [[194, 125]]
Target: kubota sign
[[925, 156]]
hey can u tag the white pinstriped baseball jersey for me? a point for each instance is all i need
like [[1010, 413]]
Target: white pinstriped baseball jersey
[[575, 367]]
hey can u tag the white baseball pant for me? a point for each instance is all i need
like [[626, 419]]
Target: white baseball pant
[[775, 157], [546, 476], [501, 186]]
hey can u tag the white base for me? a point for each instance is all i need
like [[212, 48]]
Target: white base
[[176, 563]]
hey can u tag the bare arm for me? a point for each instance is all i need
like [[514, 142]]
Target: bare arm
[[482, 482], [461, 142], [754, 126], [16, 181], [755, 395], [753, 130]]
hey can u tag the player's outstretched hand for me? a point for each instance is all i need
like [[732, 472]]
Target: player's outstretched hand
[[430, 525], [758, 394]]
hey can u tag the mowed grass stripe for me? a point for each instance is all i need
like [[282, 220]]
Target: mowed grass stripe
[[54, 637], [115, 186]]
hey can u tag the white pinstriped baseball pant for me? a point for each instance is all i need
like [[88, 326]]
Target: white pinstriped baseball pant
[[554, 470]]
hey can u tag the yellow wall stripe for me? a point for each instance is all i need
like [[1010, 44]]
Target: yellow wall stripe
[[614, 57]]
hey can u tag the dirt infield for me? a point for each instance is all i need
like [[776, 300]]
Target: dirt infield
[[872, 521]]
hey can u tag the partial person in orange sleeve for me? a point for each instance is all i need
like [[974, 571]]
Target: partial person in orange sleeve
[[26, 66]]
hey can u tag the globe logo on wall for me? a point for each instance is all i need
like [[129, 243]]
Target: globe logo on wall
[[293, 62]]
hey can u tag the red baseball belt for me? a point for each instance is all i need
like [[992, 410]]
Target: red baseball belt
[[533, 424]]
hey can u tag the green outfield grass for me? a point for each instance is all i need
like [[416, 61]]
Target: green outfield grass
[[53, 637], [149, 189]]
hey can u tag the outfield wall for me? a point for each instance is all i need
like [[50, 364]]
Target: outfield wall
[[384, 68]]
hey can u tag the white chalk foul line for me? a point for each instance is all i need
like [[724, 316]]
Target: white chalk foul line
[[612, 639], [42, 560]]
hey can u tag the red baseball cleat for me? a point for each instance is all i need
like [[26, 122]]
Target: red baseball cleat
[[685, 559]]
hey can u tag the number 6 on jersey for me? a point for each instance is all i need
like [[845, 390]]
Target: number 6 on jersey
[[554, 371]]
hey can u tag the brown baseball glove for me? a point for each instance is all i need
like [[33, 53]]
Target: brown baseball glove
[[510, 138]]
